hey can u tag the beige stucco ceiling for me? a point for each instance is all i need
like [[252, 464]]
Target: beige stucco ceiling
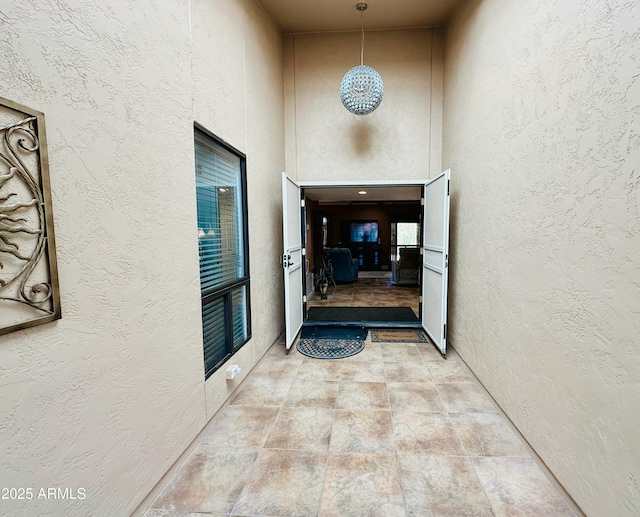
[[339, 15]]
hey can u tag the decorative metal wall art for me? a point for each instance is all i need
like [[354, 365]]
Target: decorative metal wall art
[[29, 293]]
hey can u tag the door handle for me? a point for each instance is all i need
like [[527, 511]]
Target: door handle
[[286, 261]]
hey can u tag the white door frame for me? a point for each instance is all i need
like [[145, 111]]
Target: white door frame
[[397, 183]]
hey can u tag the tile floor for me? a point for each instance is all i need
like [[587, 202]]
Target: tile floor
[[395, 430], [369, 292]]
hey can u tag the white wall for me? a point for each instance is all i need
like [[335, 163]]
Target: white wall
[[108, 397], [400, 140], [541, 118]]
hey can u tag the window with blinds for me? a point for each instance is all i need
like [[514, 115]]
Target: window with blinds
[[223, 248]]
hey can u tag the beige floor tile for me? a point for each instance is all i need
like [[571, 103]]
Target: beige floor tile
[[463, 397], [442, 486], [400, 353], [517, 487], [297, 428], [173, 513], [341, 295], [362, 371], [414, 396], [371, 353], [241, 426], [281, 352], [283, 483], [362, 485], [487, 434], [362, 395], [449, 371], [375, 302], [406, 372], [261, 391], [362, 431], [272, 367], [209, 482], [312, 393], [320, 369], [300, 422], [429, 352], [426, 433]]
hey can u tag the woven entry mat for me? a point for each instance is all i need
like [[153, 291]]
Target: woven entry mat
[[329, 348], [399, 336]]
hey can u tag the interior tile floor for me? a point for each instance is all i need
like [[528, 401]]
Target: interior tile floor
[[396, 430], [371, 289]]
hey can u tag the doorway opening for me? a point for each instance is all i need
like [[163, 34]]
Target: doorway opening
[[307, 227], [361, 231]]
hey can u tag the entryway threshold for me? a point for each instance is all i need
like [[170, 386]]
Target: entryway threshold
[[367, 324]]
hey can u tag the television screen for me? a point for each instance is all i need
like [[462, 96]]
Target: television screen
[[364, 232]]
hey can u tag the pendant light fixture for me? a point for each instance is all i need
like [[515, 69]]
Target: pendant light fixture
[[361, 88]]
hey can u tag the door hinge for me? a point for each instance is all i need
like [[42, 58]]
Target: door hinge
[[283, 261], [304, 252], [302, 203], [444, 331], [422, 201], [304, 299], [420, 299]]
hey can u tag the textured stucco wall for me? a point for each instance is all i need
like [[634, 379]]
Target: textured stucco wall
[[108, 397], [541, 121], [239, 96], [400, 140]]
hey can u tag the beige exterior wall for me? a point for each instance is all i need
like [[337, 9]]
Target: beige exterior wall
[[541, 118], [400, 140], [108, 397]]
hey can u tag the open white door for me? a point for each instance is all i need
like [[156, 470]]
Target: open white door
[[435, 259], [292, 258]]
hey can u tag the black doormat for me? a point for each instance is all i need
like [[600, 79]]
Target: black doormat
[[329, 348], [400, 314], [318, 332]]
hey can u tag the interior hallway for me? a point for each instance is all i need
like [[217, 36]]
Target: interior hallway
[[371, 289], [395, 430]]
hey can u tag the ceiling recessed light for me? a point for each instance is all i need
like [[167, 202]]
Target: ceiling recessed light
[[362, 192]]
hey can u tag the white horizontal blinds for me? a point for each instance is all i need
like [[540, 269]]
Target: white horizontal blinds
[[239, 310], [220, 225], [213, 327]]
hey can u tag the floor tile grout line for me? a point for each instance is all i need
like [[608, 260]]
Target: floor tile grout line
[[424, 363], [326, 464], [468, 458], [569, 501]]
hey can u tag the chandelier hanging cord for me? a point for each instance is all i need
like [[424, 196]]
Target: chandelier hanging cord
[[362, 47]]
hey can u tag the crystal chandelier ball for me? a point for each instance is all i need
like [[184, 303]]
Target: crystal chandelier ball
[[361, 90]]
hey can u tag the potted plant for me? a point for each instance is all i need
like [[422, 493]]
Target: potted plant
[[323, 274]]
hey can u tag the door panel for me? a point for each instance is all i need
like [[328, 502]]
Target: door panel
[[292, 258], [435, 259]]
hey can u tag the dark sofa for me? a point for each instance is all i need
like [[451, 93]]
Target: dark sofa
[[345, 268]]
